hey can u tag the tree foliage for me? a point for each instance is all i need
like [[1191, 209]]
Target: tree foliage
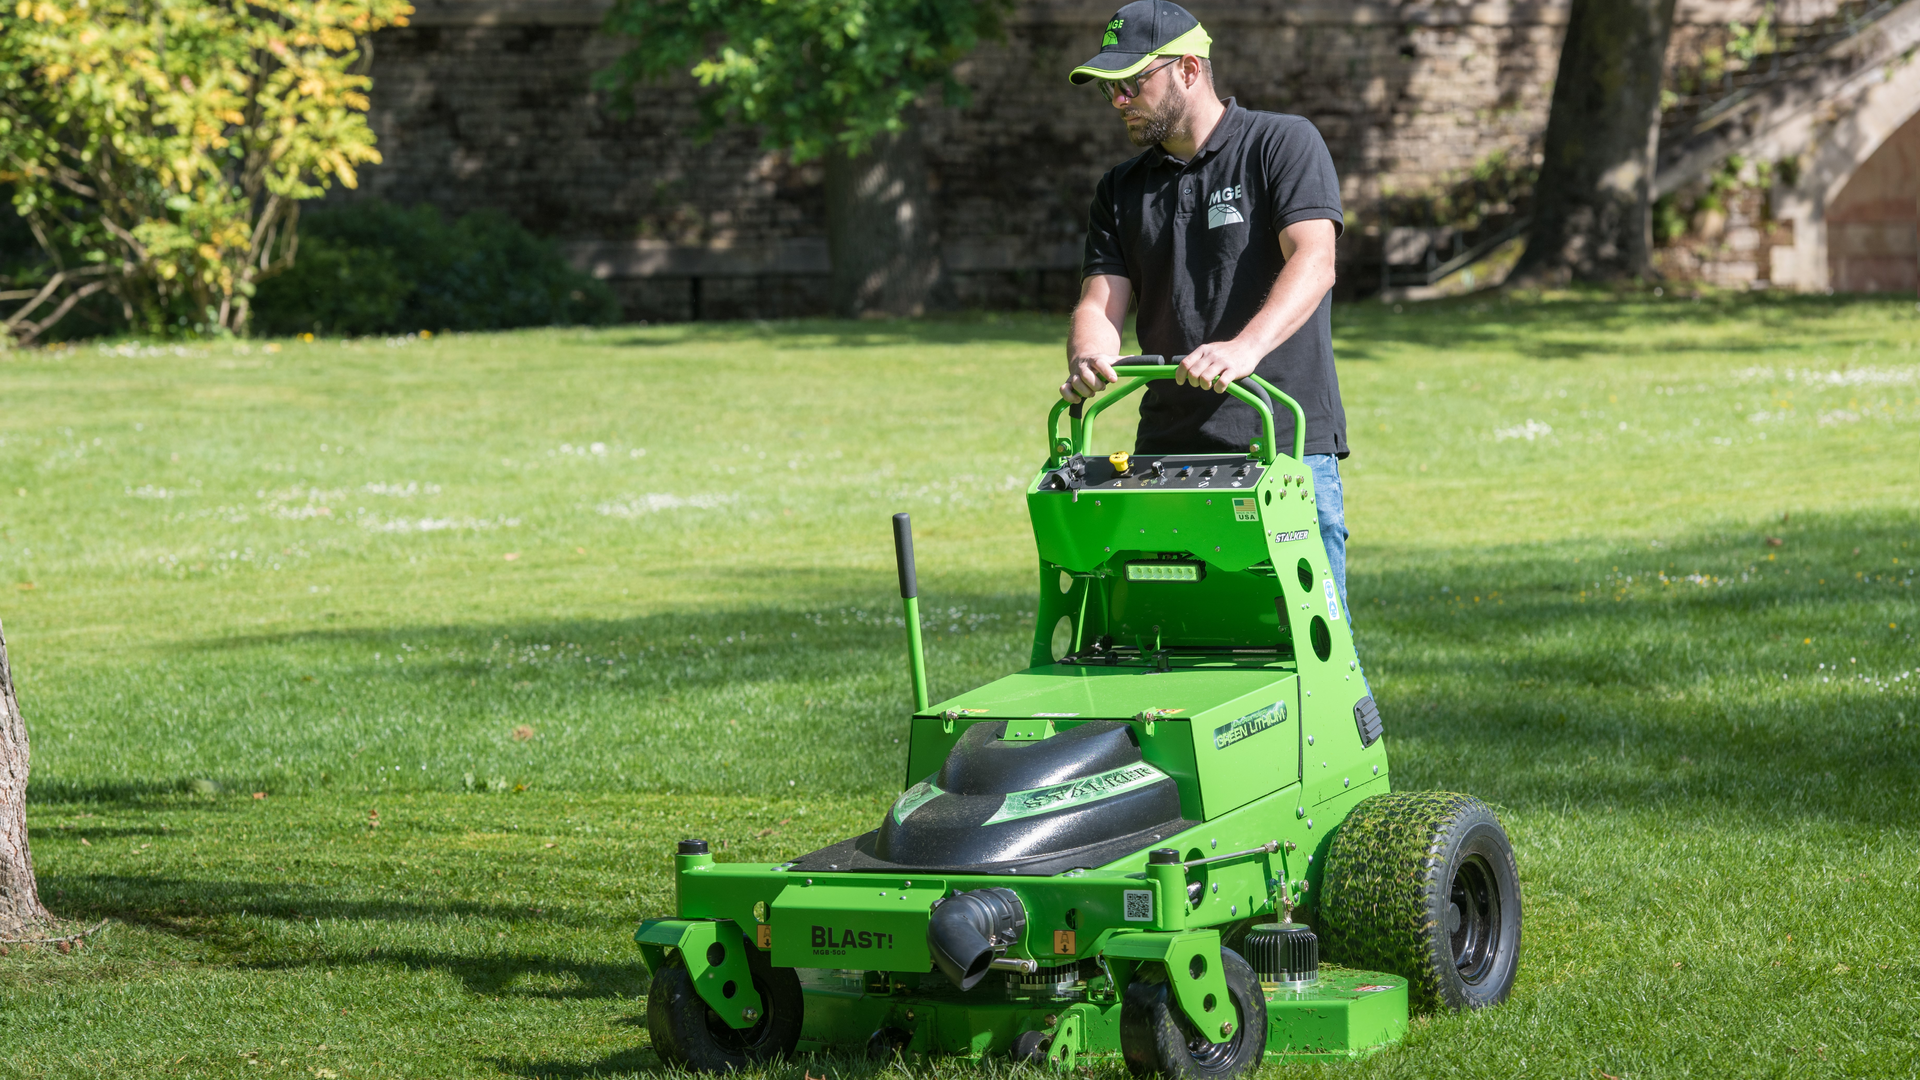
[[160, 148], [813, 75]]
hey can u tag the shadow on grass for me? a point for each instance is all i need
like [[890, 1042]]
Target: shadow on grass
[[499, 976], [182, 906], [637, 1061]]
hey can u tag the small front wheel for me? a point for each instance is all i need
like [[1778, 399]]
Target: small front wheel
[[1157, 1039], [688, 1033], [1030, 1047]]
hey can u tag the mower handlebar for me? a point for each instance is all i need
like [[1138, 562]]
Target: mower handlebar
[[1257, 392]]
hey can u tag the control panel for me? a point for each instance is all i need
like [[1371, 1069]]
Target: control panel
[[1174, 472]]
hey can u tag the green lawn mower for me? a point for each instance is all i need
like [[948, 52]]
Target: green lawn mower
[[1138, 845]]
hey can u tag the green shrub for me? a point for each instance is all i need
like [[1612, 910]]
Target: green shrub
[[372, 267]]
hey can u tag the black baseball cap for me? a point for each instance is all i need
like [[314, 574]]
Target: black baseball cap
[[1139, 32]]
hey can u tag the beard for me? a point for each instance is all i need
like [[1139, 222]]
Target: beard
[[1168, 120]]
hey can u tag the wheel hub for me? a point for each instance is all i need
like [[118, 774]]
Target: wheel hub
[[1473, 919]]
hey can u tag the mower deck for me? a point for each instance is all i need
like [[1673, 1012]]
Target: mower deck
[[1345, 1014]]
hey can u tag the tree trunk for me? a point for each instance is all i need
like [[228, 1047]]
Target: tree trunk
[[1593, 206], [19, 895], [881, 232]]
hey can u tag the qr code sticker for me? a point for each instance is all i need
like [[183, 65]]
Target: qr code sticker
[[1136, 905]]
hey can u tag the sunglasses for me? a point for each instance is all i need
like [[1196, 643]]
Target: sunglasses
[[1131, 87]]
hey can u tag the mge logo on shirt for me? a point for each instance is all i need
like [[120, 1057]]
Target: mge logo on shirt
[[1220, 208]]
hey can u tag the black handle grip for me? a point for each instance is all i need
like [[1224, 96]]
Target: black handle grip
[[1138, 361], [1248, 385], [1260, 392], [903, 554]]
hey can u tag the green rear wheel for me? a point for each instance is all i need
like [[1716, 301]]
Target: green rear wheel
[[1423, 884]]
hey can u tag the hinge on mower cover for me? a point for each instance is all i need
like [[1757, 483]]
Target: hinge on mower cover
[[1146, 717], [1366, 717]]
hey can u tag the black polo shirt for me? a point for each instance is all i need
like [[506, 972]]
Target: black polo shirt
[[1200, 241]]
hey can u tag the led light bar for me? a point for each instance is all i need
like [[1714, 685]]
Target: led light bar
[[1166, 571]]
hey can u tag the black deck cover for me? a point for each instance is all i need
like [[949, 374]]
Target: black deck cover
[[1080, 799]]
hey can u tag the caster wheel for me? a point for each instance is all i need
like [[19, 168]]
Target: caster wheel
[[887, 1043], [1031, 1047], [688, 1033], [1423, 884], [1157, 1040]]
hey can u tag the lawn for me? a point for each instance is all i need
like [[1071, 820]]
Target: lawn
[[370, 682]]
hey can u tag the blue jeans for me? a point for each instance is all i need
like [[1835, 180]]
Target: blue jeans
[[1328, 500]]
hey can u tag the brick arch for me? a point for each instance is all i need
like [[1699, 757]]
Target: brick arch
[[1873, 222], [1842, 148]]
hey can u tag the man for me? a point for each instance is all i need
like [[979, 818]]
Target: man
[[1224, 230]]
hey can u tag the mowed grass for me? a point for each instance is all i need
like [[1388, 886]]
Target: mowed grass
[[487, 622]]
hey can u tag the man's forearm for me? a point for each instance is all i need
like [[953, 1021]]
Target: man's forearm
[[1093, 339], [1093, 333], [1295, 295]]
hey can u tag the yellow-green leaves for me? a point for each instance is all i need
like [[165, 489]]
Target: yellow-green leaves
[[168, 142]]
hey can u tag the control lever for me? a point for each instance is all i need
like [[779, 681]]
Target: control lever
[[1067, 477]]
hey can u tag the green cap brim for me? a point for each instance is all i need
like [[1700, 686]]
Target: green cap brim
[[1119, 65]]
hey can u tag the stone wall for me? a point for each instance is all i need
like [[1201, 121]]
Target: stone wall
[[488, 103]]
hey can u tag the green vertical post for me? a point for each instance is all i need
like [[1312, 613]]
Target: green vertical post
[[910, 599]]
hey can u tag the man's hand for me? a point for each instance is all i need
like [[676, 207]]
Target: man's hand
[[1093, 344], [1087, 376], [1217, 364]]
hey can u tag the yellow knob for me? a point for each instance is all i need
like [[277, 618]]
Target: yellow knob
[[1119, 462]]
